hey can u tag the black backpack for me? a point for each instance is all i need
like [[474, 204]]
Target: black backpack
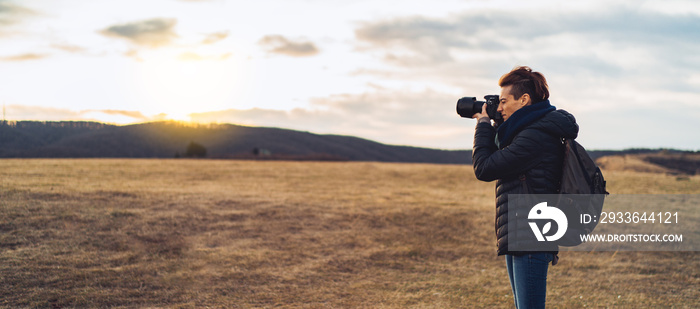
[[582, 191]]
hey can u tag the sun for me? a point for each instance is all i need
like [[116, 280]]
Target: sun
[[180, 86]]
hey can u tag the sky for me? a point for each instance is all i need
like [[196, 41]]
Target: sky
[[385, 70]]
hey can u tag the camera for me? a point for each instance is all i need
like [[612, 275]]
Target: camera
[[468, 106]]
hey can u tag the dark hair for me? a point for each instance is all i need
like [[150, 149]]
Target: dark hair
[[524, 80]]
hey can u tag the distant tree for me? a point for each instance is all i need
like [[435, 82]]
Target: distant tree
[[260, 152], [177, 155], [195, 150]]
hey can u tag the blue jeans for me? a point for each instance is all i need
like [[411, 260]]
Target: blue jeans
[[528, 278]]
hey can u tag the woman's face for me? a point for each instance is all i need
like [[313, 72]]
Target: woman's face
[[508, 104]]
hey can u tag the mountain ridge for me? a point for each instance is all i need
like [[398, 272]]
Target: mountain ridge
[[36, 139], [168, 139]]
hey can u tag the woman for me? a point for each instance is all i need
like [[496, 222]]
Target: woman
[[524, 155]]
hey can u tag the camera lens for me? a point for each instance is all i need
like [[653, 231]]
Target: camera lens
[[468, 106]]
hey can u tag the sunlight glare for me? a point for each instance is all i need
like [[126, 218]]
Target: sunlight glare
[[181, 86]]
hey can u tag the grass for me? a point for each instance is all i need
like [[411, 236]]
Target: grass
[[247, 234]]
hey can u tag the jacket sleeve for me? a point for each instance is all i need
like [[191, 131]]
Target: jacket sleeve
[[490, 163]]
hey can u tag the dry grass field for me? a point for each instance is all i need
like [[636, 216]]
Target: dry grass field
[[250, 234]]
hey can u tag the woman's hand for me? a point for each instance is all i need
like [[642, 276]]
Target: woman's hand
[[482, 115]]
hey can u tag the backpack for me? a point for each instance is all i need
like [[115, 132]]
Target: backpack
[[582, 191]]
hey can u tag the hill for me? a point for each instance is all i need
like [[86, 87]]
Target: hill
[[167, 139], [67, 139], [663, 161]]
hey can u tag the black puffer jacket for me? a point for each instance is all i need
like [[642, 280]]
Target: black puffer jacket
[[534, 155]]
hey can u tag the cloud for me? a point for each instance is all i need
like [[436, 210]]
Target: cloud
[[280, 45], [69, 48], [154, 32], [482, 35], [24, 112], [43, 113], [215, 37], [421, 39], [23, 57], [12, 13], [136, 115], [133, 54]]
